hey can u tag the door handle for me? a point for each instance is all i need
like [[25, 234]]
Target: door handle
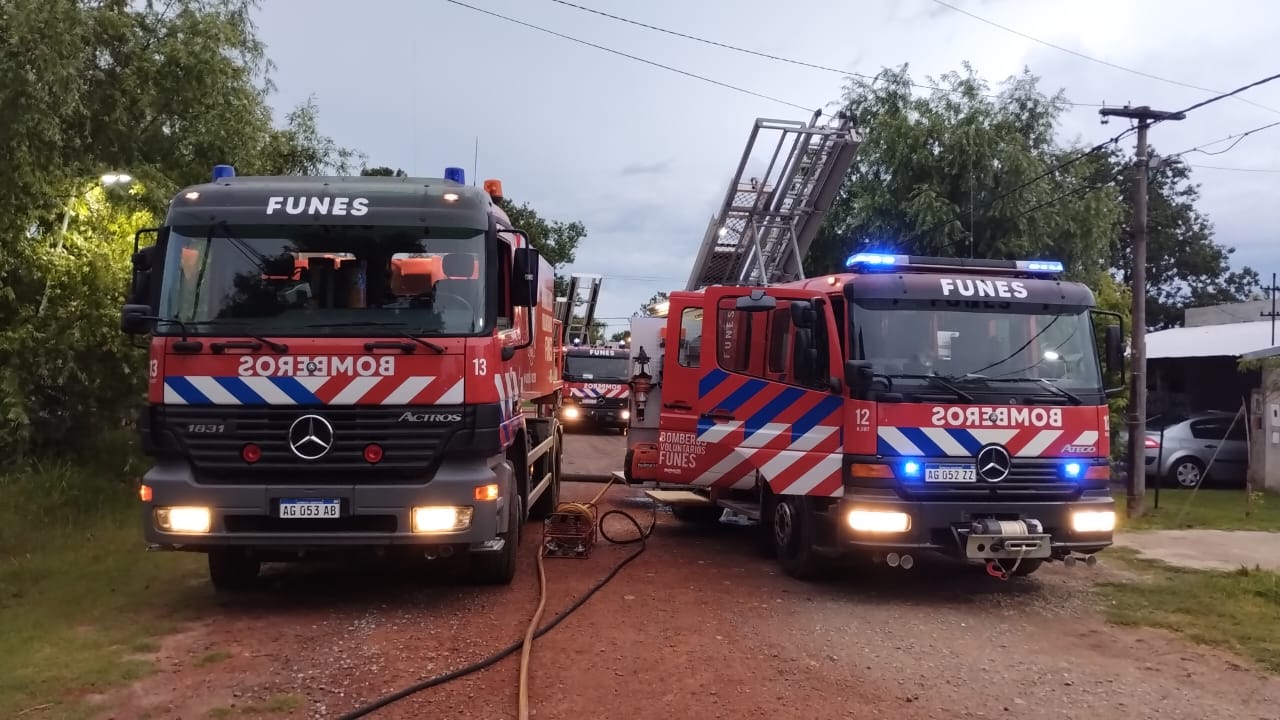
[[677, 406], [1211, 446], [718, 416], [253, 345]]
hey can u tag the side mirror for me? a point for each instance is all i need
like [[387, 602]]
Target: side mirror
[[136, 319], [524, 277], [1115, 348], [803, 315], [140, 280], [858, 376], [757, 301]]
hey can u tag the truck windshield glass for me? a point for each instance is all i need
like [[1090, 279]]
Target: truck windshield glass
[[315, 280], [976, 343], [597, 368]]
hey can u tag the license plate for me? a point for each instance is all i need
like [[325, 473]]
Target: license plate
[[950, 473], [310, 508], [588, 401]]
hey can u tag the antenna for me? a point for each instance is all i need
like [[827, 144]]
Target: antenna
[[475, 162]]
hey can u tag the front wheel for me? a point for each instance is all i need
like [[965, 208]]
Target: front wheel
[[794, 534], [500, 568], [1188, 472]]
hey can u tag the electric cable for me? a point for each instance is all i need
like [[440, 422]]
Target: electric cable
[[642, 535], [1237, 137], [776, 58], [637, 58], [1090, 58]]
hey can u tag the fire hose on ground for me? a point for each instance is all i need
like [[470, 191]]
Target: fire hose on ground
[[583, 511]]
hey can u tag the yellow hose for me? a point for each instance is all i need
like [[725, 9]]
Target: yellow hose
[[587, 510]]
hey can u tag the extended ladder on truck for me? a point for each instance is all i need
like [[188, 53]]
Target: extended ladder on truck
[[767, 222], [574, 325]]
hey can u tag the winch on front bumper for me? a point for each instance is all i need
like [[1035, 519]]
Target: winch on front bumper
[[881, 522]]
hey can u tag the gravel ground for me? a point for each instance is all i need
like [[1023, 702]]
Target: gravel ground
[[698, 626]]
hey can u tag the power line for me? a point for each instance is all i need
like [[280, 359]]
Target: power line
[[1237, 137], [637, 58], [1236, 169], [1091, 58], [1225, 95], [777, 58]]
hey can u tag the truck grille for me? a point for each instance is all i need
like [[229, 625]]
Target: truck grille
[[213, 438], [1028, 479]]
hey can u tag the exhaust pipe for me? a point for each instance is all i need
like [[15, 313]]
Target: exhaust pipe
[[892, 560], [907, 562], [446, 551], [904, 561]]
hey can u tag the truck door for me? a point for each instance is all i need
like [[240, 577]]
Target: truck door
[[760, 399]]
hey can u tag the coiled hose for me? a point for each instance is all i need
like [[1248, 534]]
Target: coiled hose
[[642, 534]]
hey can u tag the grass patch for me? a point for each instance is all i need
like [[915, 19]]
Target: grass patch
[[1237, 610], [81, 602], [1216, 509]]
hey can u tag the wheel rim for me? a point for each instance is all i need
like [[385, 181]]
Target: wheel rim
[[1187, 474], [783, 524]]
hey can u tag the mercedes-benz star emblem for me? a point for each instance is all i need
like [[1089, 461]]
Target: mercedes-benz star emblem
[[993, 463], [311, 436]]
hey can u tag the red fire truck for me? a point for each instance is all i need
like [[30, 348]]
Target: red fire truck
[[341, 363], [911, 404], [597, 384]]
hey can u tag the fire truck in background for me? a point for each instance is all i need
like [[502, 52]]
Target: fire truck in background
[[908, 405], [597, 384], [342, 363]]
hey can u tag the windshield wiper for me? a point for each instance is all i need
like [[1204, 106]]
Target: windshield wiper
[[184, 324], [1075, 399], [439, 349], [937, 381]]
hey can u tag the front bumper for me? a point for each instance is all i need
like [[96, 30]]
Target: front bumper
[[945, 526], [587, 415], [371, 515]]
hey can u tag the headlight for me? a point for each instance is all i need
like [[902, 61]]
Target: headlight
[[193, 520], [625, 414], [441, 519], [570, 412], [1093, 521], [876, 521]]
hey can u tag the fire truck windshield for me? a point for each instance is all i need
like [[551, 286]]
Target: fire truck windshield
[[314, 280], [978, 346], [596, 369]]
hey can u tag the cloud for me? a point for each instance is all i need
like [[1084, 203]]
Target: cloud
[[643, 155]]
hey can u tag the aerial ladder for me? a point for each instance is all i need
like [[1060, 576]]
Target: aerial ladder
[[584, 293], [767, 222]]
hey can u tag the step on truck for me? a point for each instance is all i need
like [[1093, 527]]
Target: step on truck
[[597, 384], [343, 364], [908, 405]]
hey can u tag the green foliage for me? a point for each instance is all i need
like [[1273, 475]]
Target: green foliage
[[620, 336], [162, 91], [382, 171], [557, 241], [935, 176], [647, 308]]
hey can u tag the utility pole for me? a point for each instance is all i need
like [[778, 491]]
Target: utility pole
[[1137, 454], [1271, 290]]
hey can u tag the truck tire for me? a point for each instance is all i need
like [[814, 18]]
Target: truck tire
[[794, 534], [232, 569], [500, 568]]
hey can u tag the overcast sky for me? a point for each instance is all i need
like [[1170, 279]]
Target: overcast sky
[[643, 156]]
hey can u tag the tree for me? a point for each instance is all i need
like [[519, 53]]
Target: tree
[[382, 171], [557, 241], [941, 175], [620, 336], [162, 91], [647, 309], [1186, 267]]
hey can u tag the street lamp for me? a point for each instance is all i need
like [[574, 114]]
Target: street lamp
[[107, 180]]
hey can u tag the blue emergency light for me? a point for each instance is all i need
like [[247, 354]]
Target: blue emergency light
[[455, 174], [223, 171], [872, 259], [1044, 266], [1073, 470], [911, 469]]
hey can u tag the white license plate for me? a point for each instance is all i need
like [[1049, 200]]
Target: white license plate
[[310, 508], [588, 401], [950, 473]]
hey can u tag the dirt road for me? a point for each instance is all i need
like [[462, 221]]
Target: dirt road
[[593, 455], [698, 626]]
